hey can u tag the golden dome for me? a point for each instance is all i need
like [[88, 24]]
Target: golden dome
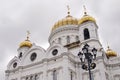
[[68, 20], [86, 18], [27, 42], [110, 53]]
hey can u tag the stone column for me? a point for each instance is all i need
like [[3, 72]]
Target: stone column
[[66, 72], [45, 70]]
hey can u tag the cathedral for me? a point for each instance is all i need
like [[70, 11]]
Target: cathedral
[[60, 60]]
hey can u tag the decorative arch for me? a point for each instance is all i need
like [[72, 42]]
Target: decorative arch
[[86, 34], [11, 63], [35, 54], [60, 49]]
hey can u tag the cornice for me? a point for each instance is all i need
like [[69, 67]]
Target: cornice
[[111, 64]]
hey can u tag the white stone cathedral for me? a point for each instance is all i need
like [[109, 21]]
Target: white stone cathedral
[[60, 61]]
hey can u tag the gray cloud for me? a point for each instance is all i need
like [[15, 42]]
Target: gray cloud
[[38, 16]]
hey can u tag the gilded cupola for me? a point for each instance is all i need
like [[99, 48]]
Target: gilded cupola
[[86, 18], [27, 42], [68, 20], [110, 52]]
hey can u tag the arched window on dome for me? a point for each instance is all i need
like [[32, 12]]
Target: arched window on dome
[[59, 40], [68, 39], [86, 34], [77, 38]]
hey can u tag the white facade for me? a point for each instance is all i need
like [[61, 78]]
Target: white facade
[[60, 60]]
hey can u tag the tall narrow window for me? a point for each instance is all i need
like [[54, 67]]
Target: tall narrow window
[[31, 77], [20, 55], [36, 77], [68, 39], [71, 76], [59, 40], [107, 77], [54, 75], [86, 34], [77, 38], [26, 78]]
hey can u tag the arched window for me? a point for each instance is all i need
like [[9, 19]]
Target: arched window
[[26, 78], [77, 38], [20, 55], [71, 76], [54, 75], [31, 77], [86, 34], [59, 40], [68, 39], [36, 77]]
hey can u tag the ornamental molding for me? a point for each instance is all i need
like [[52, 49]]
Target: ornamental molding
[[31, 75], [117, 75], [107, 63], [45, 61], [86, 72], [57, 68]]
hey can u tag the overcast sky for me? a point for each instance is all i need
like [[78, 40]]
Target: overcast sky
[[38, 16]]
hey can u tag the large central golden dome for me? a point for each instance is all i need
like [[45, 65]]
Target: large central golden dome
[[68, 20]]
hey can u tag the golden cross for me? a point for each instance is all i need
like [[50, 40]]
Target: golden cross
[[68, 9], [85, 12], [28, 34]]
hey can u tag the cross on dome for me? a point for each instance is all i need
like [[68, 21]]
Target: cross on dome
[[68, 10], [28, 35], [85, 11], [27, 42]]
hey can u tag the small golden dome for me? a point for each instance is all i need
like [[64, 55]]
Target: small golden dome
[[86, 18], [27, 42], [68, 20], [110, 53]]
